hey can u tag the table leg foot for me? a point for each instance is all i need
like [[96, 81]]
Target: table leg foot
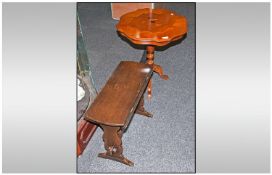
[[158, 69], [144, 113], [117, 158], [112, 138], [141, 110]]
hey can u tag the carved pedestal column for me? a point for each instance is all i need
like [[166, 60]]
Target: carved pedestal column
[[156, 68]]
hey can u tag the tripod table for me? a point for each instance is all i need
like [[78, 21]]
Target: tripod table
[[152, 28]]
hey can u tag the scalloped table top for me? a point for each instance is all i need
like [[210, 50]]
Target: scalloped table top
[[152, 26]]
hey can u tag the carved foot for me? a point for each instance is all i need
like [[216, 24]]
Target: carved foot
[[141, 110], [117, 158], [113, 145], [158, 69], [144, 113]]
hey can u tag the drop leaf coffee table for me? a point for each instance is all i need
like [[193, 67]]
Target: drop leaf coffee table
[[152, 27], [116, 103]]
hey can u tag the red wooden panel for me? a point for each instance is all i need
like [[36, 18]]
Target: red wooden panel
[[85, 131]]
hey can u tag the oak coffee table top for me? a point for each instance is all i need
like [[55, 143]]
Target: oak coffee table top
[[118, 99], [152, 26]]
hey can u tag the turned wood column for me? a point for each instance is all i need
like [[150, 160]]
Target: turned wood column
[[150, 61]]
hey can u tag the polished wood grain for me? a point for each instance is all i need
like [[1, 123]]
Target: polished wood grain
[[153, 28], [118, 99]]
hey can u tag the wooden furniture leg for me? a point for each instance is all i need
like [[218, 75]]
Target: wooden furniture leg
[[112, 138], [150, 61], [141, 110], [156, 68]]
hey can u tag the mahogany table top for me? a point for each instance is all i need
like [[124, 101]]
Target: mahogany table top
[[152, 26], [118, 99]]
